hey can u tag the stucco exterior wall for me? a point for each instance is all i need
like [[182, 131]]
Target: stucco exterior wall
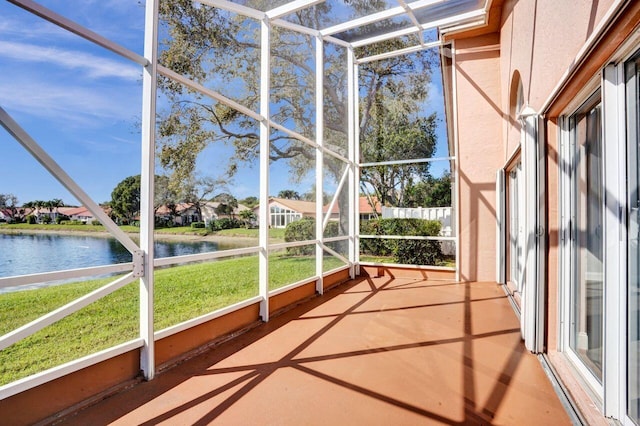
[[539, 40], [477, 73], [535, 46]]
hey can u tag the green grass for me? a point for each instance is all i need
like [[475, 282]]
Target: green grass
[[181, 293], [52, 227], [274, 233]]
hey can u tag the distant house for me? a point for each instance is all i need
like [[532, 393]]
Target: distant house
[[283, 211], [81, 214], [368, 212], [181, 214], [210, 211], [184, 214], [5, 215]]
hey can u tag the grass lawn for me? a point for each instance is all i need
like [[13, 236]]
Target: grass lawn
[[58, 228], [274, 233], [181, 293]]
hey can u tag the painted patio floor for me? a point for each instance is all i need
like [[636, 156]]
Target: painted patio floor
[[374, 351]]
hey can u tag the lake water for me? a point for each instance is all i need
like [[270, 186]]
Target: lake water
[[30, 254]]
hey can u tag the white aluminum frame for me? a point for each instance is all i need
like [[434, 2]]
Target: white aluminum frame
[[265, 134], [144, 261], [501, 230], [533, 297], [568, 147], [320, 224], [352, 95], [614, 236], [147, 180]]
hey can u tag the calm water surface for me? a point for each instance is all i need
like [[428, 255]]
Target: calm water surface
[[30, 254]]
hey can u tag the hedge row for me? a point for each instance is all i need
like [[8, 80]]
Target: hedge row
[[409, 252], [305, 230]]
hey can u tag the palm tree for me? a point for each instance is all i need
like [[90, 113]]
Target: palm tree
[[56, 203]]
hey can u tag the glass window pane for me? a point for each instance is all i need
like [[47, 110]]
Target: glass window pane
[[586, 333]]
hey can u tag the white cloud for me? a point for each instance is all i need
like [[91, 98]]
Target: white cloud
[[39, 29], [69, 104], [94, 66]]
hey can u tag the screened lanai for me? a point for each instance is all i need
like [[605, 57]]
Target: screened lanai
[[331, 95]]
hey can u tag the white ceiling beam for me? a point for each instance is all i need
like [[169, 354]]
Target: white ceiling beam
[[399, 52], [365, 20], [291, 7], [422, 3], [295, 27], [376, 17], [337, 41], [385, 36], [465, 26], [462, 18], [235, 8]]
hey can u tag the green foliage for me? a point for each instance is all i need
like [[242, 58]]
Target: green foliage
[[60, 218], [95, 222], [181, 293], [46, 219], [220, 50], [431, 192], [249, 217], [197, 225], [125, 198], [224, 209], [289, 194], [410, 252], [250, 202], [225, 223], [305, 230], [31, 219]]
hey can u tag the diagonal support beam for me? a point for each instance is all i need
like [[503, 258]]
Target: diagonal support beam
[[43, 158]]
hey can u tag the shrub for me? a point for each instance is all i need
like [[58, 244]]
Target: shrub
[[225, 223], [96, 222], [305, 230], [76, 222], [411, 252], [46, 219], [61, 218], [31, 219], [300, 230], [197, 225]]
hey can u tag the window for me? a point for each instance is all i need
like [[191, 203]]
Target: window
[[586, 283], [600, 213], [281, 217]]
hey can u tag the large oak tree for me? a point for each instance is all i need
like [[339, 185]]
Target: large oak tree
[[221, 51]]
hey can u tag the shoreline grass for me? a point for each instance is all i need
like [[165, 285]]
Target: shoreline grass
[[181, 293], [186, 231]]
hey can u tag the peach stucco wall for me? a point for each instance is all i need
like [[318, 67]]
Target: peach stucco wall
[[537, 43], [477, 73], [539, 40]]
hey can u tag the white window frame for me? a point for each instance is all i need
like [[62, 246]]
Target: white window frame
[[612, 394], [567, 138]]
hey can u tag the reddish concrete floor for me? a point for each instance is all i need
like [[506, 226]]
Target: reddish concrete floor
[[373, 351]]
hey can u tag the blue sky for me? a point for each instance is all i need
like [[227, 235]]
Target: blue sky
[[82, 103]]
